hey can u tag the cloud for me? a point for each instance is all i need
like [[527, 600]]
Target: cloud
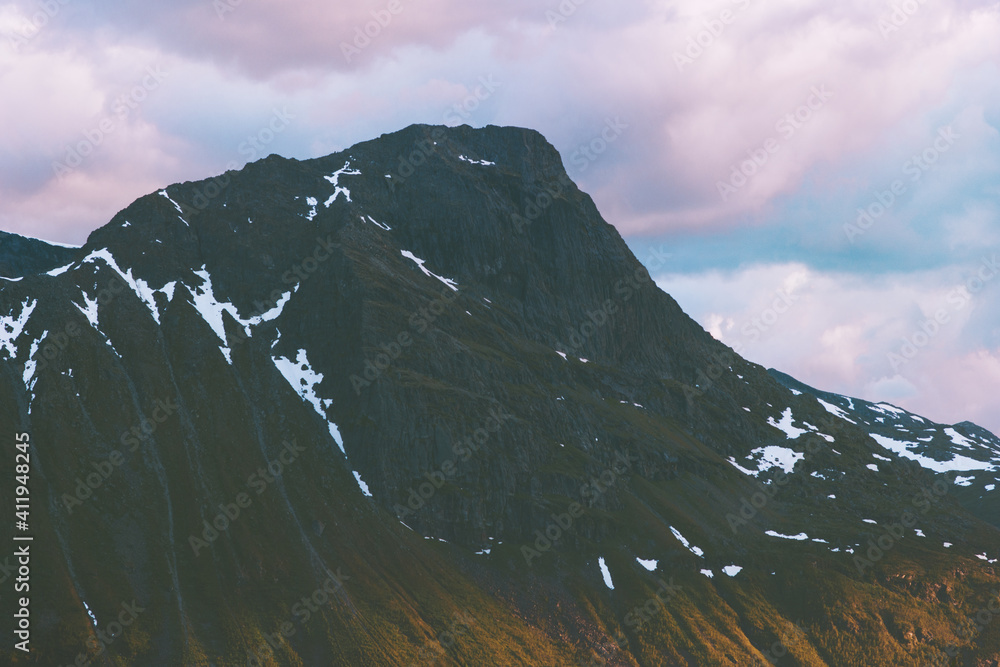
[[263, 39], [894, 389], [754, 83], [805, 111], [703, 88], [913, 339]]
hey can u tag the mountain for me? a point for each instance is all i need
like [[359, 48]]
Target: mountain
[[947, 449], [417, 403], [22, 256]]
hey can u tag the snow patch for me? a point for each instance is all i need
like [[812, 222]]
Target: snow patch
[[648, 564], [957, 463], [147, 295], [361, 483], [61, 270], [90, 613], [269, 315], [687, 545], [138, 285], [337, 188], [891, 409], [11, 328], [376, 223], [29, 369], [752, 473], [606, 573], [785, 425], [212, 310], [834, 410], [177, 206], [485, 163], [304, 381], [90, 311], [801, 537], [958, 438], [775, 456], [420, 263]]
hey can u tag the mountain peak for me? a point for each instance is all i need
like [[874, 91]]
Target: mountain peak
[[424, 377]]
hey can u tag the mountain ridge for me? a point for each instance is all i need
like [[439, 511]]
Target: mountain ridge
[[566, 447], [21, 256]]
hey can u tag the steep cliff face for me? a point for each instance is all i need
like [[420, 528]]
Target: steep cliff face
[[417, 402]]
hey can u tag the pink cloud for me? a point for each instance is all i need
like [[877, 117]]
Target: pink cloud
[[837, 332], [689, 127], [697, 124]]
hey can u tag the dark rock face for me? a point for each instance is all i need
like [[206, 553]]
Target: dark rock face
[[442, 314], [21, 256]]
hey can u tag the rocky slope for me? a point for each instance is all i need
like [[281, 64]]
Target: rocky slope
[[964, 454], [417, 403], [22, 256]]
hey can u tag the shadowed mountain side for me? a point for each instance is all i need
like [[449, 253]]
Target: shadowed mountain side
[[416, 403]]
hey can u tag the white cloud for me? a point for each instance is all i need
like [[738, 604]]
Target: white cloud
[[838, 331], [687, 127]]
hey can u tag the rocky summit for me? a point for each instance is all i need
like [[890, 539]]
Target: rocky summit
[[416, 403]]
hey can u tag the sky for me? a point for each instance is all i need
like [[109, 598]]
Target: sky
[[816, 183]]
